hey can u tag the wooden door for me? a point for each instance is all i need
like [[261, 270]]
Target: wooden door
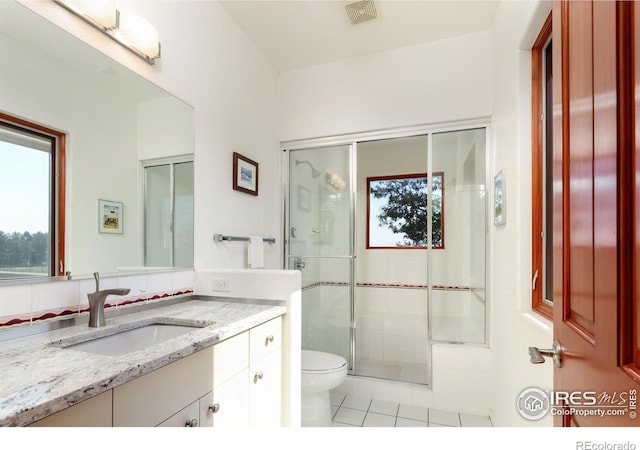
[[596, 212]]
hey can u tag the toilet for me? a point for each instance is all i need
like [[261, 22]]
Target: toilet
[[321, 372]]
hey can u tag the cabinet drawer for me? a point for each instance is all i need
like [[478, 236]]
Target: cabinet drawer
[[265, 338], [230, 357], [190, 415], [93, 412], [152, 398]]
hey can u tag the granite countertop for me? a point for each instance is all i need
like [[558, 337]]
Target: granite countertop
[[39, 379]]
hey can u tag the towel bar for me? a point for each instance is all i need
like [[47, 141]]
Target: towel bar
[[220, 238]]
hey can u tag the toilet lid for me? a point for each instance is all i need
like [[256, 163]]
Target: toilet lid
[[320, 361]]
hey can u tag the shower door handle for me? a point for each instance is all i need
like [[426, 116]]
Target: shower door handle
[[298, 263]]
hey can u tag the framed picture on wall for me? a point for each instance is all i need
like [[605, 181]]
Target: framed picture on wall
[[499, 200], [245, 174], [110, 217]]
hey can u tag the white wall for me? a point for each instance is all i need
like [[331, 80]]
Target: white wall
[[514, 328], [441, 81]]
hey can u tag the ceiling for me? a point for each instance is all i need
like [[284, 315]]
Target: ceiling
[[298, 34]]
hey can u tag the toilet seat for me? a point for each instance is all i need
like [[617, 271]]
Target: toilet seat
[[321, 362]]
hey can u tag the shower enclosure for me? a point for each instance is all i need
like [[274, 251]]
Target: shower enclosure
[[388, 230]]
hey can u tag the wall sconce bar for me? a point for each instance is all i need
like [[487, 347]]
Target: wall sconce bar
[[131, 31], [220, 238]]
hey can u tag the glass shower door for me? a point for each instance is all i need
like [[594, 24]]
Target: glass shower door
[[319, 244], [457, 272]]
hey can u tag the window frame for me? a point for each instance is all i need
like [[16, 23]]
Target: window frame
[[538, 135], [399, 177], [57, 212]]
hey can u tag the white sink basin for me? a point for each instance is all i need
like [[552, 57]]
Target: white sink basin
[[130, 340]]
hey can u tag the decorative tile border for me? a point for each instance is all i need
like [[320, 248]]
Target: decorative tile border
[[436, 287], [43, 316]]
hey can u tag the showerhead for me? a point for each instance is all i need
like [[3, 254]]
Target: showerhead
[[315, 173]]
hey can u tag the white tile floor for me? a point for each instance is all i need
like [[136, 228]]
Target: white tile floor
[[354, 411]]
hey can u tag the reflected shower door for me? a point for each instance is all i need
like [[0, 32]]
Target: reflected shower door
[[457, 272], [168, 213], [320, 245]]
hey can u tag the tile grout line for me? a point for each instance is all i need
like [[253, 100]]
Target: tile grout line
[[395, 422], [366, 412]]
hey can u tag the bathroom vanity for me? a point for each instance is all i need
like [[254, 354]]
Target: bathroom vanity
[[224, 370]]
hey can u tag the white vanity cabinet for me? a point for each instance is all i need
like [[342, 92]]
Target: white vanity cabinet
[[231, 382], [265, 386], [248, 385], [166, 393], [236, 382], [93, 412], [197, 414]]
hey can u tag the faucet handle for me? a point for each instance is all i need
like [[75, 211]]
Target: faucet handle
[[96, 275]]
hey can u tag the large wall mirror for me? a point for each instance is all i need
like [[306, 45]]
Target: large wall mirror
[[129, 143]]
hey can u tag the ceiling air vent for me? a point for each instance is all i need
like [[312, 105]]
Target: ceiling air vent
[[361, 11]]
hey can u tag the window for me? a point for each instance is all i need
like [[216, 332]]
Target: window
[[542, 172], [32, 200], [397, 211]]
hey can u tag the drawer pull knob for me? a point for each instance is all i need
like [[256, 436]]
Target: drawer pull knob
[[191, 423], [214, 408], [268, 339], [257, 376]]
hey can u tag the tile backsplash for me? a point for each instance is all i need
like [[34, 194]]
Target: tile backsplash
[[25, 303]]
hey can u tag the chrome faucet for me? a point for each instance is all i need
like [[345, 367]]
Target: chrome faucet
[[96, 302]]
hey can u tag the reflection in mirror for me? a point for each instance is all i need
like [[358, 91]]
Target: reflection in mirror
[[168, 213], [28, 168], [113, 120]]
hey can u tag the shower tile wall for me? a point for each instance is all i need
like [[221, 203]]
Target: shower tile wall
[[392, 312], [391, 339]]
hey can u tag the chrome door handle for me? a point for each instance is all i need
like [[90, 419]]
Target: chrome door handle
[[555, 353]]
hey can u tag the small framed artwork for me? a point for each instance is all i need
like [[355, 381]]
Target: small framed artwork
[[110, 216], [245, 174], [499, 199]]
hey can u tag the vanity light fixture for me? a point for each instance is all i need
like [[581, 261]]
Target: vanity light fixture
[[99, 13], [139, 35], [128, 29]]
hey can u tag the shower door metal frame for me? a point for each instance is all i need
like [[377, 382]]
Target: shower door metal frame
[[376, 135], [286, 149]]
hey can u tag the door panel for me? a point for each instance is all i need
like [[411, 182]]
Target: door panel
[[320, 245], [593, 226], [580, 300]]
